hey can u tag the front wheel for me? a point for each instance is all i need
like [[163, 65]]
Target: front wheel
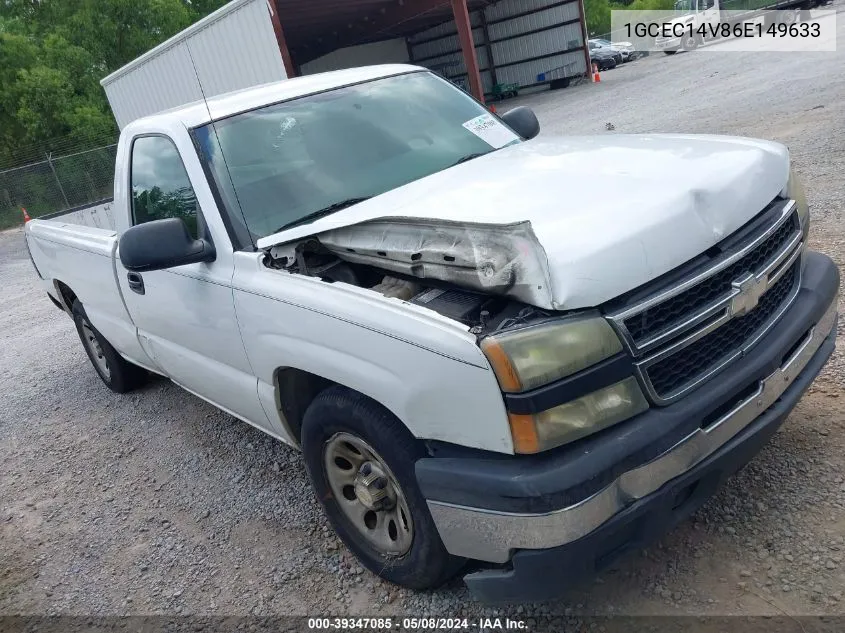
[[360, 459], [690, 43], [116, 372]]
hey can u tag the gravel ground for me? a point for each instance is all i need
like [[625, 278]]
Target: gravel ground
[[156, 503]]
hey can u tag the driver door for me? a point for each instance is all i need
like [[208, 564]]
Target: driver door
[[708, 14], [185, 315]]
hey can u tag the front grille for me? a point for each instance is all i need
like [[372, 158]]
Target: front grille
[[657, 319], [688, 364]]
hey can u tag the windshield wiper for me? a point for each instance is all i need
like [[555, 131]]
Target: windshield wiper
[[319, 213], [464, 159]]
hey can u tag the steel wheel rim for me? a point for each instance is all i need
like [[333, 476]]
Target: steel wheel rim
[[95, 349], [368, 494]]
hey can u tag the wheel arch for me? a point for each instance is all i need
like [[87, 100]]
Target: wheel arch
[[295, 390], [67, 295]]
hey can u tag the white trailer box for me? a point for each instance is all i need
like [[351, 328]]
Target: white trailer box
[[235, 47]]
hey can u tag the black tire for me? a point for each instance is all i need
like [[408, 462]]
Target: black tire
[[119, 375], [337, 410]]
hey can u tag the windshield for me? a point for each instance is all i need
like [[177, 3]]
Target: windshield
[[293, 162], [687, 6]]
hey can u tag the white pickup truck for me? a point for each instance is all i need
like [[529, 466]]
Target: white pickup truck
[[531, 353]]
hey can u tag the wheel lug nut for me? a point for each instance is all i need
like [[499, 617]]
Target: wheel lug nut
[[380, 484]]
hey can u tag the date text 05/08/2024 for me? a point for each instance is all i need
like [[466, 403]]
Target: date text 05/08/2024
[[722, 29], [416, 624]]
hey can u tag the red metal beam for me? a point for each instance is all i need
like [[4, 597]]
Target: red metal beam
[[461, 13], [290, 69], [582, 16]]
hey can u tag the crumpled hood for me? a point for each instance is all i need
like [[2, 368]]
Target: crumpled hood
[[607, 213]]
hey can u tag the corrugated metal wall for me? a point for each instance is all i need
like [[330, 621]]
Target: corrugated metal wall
[[527, 38], [387, 52], [439, 48], [233, 48]]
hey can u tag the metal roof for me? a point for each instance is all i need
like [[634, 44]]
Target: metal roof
[[315, 27]]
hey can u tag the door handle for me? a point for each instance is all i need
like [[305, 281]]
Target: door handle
[[136, 282]]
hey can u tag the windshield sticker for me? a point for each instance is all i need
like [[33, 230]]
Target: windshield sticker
[[488, 129]]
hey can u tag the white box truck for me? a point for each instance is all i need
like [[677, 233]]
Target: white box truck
[[235, 47], [701, 19]]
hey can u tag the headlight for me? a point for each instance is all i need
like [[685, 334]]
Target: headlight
[[795, 191], [575, 419], [537, 355]]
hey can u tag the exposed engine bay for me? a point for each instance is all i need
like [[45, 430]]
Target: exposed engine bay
[[482, 312]]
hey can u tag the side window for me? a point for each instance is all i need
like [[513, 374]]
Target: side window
[[160, 185]]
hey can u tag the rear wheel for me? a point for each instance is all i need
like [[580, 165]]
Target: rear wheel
[[790, 17], [360, 459], [116, 372]]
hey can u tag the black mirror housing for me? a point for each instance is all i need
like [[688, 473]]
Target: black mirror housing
[[162, 244], [523, 121]]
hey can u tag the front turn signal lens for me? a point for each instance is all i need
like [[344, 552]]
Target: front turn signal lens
[[794, 190]]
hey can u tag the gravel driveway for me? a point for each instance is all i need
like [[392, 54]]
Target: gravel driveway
[[156, 503]]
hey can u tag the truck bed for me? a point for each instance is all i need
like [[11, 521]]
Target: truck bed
[[97, 215], [76, 250]]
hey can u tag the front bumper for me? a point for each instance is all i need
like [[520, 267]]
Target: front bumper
[[669, 43], [722, 425]]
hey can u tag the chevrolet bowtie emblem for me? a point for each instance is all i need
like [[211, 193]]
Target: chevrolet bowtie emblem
[[750, 289]]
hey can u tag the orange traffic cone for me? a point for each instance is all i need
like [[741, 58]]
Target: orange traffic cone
[[596, 76], [26, 217], [492, 108]]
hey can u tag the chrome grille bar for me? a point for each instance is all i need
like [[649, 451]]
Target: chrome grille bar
[[708, 313], [729, 356]]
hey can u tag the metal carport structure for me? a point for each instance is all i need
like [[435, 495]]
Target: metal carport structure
[[306, 30]]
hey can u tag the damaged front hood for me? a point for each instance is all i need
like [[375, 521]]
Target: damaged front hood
[[561, 223]]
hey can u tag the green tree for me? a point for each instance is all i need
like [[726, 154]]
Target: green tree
[[53, 54], [597, 14]]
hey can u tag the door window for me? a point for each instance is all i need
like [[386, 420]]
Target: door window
[[160, 184]]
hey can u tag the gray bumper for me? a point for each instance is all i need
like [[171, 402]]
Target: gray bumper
[[493, 536]]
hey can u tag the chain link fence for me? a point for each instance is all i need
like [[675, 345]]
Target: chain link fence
[[56, 183]]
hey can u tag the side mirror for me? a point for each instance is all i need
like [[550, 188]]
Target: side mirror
[[162, 244], [523, 121]]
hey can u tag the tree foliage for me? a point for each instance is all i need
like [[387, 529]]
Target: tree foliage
[[53, 54], [598, 12]]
